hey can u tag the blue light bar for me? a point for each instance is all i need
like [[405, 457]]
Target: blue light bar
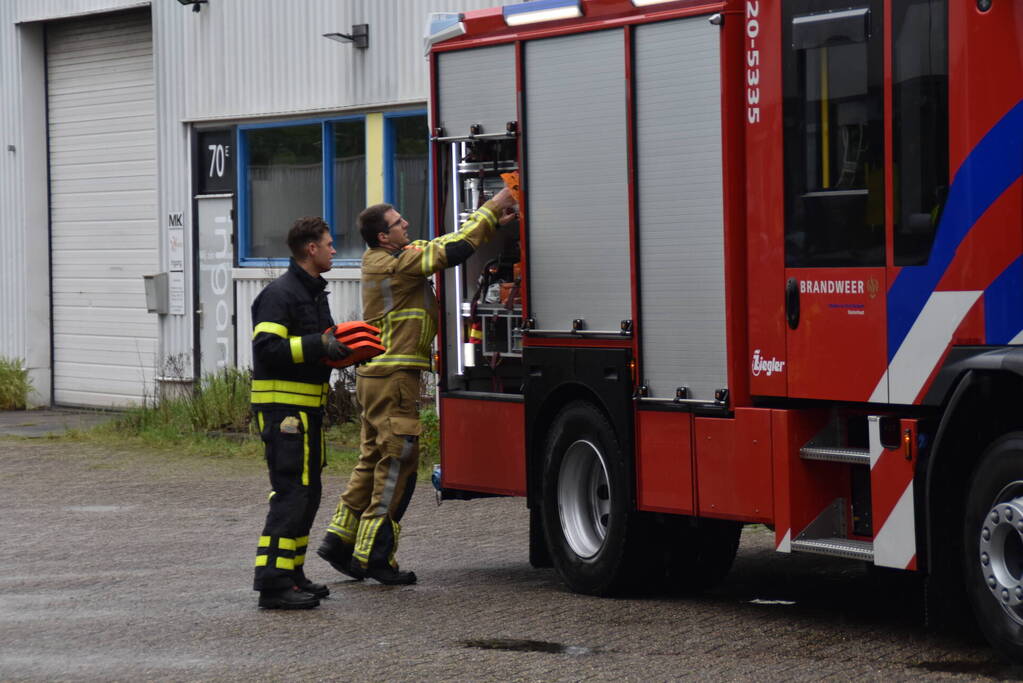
[[537, 11]]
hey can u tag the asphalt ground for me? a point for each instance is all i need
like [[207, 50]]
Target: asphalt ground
[[128, 566]]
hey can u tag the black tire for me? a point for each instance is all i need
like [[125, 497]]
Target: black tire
[[993, 545], [700, 552], [587, 515], [539, 557]]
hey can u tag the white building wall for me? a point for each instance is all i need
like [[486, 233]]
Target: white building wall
[[343, 294], [234, 60], [44, 10], [12, 242], [173, 157], [264, 57]]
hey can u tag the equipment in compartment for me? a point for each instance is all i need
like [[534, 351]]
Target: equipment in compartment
[[486, 301]]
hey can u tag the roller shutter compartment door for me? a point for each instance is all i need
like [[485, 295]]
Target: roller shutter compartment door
[[577, 181], [681, 217], [477, 86], [103, 207]]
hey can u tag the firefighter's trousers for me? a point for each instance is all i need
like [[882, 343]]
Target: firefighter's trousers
[[295, 456], [381, 484]]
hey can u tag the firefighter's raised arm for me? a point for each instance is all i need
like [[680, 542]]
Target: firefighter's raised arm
[[427, 257]]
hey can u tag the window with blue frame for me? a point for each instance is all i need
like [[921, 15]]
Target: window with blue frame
[[407, 155], [295, 169], [349, 186]]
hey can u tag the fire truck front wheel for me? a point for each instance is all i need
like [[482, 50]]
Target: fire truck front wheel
[[586, 507], [993, 544]]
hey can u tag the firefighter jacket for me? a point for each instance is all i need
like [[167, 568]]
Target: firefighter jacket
[[288, 318], [398, 296]]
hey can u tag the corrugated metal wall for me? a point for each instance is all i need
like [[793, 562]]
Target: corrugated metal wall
[[233, 60], [343, 294], [170, 21], [12, 243], [269, 57], [41, 10]]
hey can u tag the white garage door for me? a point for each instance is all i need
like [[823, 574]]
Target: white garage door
[[102, 207]]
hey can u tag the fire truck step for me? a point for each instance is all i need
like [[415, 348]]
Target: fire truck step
[[853, 456], [836, 547]]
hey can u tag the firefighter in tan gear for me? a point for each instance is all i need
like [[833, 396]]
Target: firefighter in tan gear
[[397, 297]]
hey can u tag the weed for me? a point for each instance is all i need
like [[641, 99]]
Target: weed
[[215, 420], [429, 442], [218, 406], [14, 384]]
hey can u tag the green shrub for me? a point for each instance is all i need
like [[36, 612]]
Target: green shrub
[[14, 384], [222, 402], [219, 404], [429, 441]]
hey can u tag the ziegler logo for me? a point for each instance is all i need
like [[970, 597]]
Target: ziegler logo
[[768, 367]]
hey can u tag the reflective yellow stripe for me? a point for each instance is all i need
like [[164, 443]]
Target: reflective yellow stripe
[[412, 361], [272, 494], [386, 324], [285, 563], [364, 540], [407, 314], [289, 387], [259, 415], [305, 451], [296, 350], [303, 541], [432, 249], [286, 543], [289, 393], [394, 548], [490, 215], [288, 399], [260, 560], [271, 328], [299, 560], [264, 541], [344, 524]]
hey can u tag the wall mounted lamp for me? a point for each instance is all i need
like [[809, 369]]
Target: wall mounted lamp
[[359, 37], [196, 4]]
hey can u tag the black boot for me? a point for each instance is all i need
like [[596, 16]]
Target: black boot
[[304, 584], [338, 555], [388, 575], [287, 598]]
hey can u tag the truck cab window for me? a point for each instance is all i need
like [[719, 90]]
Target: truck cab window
[[919, 125], [834, 152]]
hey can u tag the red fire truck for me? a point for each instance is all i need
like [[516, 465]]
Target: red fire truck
[[769, 269]]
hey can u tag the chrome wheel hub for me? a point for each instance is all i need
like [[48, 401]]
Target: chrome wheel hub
[[1001, 554], [584, 498]]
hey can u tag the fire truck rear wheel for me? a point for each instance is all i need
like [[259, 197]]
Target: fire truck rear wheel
[[586, 502], [993, 544]]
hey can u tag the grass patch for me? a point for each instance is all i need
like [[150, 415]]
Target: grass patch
[[14, 384], [215, 421], [212, 420], [343, 444]]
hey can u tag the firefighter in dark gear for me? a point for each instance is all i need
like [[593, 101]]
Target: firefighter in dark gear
[[292, 337], [397, 297]]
